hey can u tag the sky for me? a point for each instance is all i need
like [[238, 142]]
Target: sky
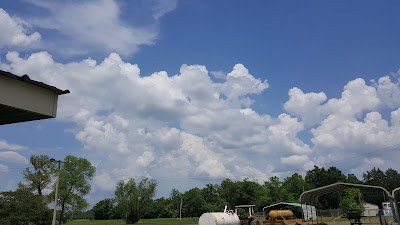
[[193, 92]]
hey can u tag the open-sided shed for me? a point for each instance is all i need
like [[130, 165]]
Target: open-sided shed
[[312, 196]]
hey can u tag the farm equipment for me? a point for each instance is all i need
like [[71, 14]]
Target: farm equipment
[[228, 217], [245, 215]]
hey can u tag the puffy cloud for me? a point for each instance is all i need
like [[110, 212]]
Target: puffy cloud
[[349, 126], [239, 83], [17, 34], [284, 135], [6, 146], [302, 162], [337, 139], [369, 163], [388, 91], [244, 172], [205, 159], [12, 157], [395, 118], [306, 106], [357, 97], [82, 27], [104, 182], [152, 122], [145, 159]]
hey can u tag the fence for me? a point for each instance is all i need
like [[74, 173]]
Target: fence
[[370, 217]]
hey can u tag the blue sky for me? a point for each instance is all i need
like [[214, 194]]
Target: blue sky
[[192, 92]]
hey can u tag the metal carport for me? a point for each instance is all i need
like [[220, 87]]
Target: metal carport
[[312, 196]]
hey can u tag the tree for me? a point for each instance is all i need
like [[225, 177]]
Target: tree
[[319, 177], [134, 200], [351, 178], [214, 202], [193, 204], [392, 179], [175, 201], [229, 192], [351, 202], [103, 209], [73, 183], [273, 187], [125, 193], [374, 177], [40, 176], [23, 207], [162, 208], [292, 187], [389, 180], [146, 190]]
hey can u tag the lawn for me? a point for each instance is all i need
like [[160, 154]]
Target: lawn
[[194, 221], [141, 222]]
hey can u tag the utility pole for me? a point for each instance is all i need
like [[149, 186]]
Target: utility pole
[[56, 194], [180, 208]]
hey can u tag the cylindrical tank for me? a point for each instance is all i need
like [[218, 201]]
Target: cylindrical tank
[[219, 218], [280, 214]]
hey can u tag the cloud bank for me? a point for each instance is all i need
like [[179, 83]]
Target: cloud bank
[[196, 124], [189, 125]]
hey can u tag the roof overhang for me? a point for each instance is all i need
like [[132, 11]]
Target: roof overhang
[[313, 195], [23, 99]]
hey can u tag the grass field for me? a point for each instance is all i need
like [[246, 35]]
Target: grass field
[[193, 221]]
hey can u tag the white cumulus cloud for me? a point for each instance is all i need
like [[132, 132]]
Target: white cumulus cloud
[[12, 157], [13, 147], [189, 125], [84, 27], [17, 32]]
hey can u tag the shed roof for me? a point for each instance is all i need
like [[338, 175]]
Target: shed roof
[[23, 99], [282, 204], [25, 78], [313, 195]]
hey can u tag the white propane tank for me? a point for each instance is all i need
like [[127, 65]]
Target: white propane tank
[[219, 218]]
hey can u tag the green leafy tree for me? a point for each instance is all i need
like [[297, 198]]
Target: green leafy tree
[[319, 177], [146, 190], [134, 199], [229, 192], [39, 177], [351, 202], [73, 183], [292, 187], [103, 209], [273, 187], [161, 208], [23, 207], [374, 177], [175, 201], [389, 180], [193, 203], [392, 179], [351, 178], [214, 202]]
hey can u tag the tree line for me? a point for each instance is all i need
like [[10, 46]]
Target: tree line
[[31, 202], [213, 197]]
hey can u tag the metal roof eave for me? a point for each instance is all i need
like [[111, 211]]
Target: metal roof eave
[[25, 78], [313, 195]]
